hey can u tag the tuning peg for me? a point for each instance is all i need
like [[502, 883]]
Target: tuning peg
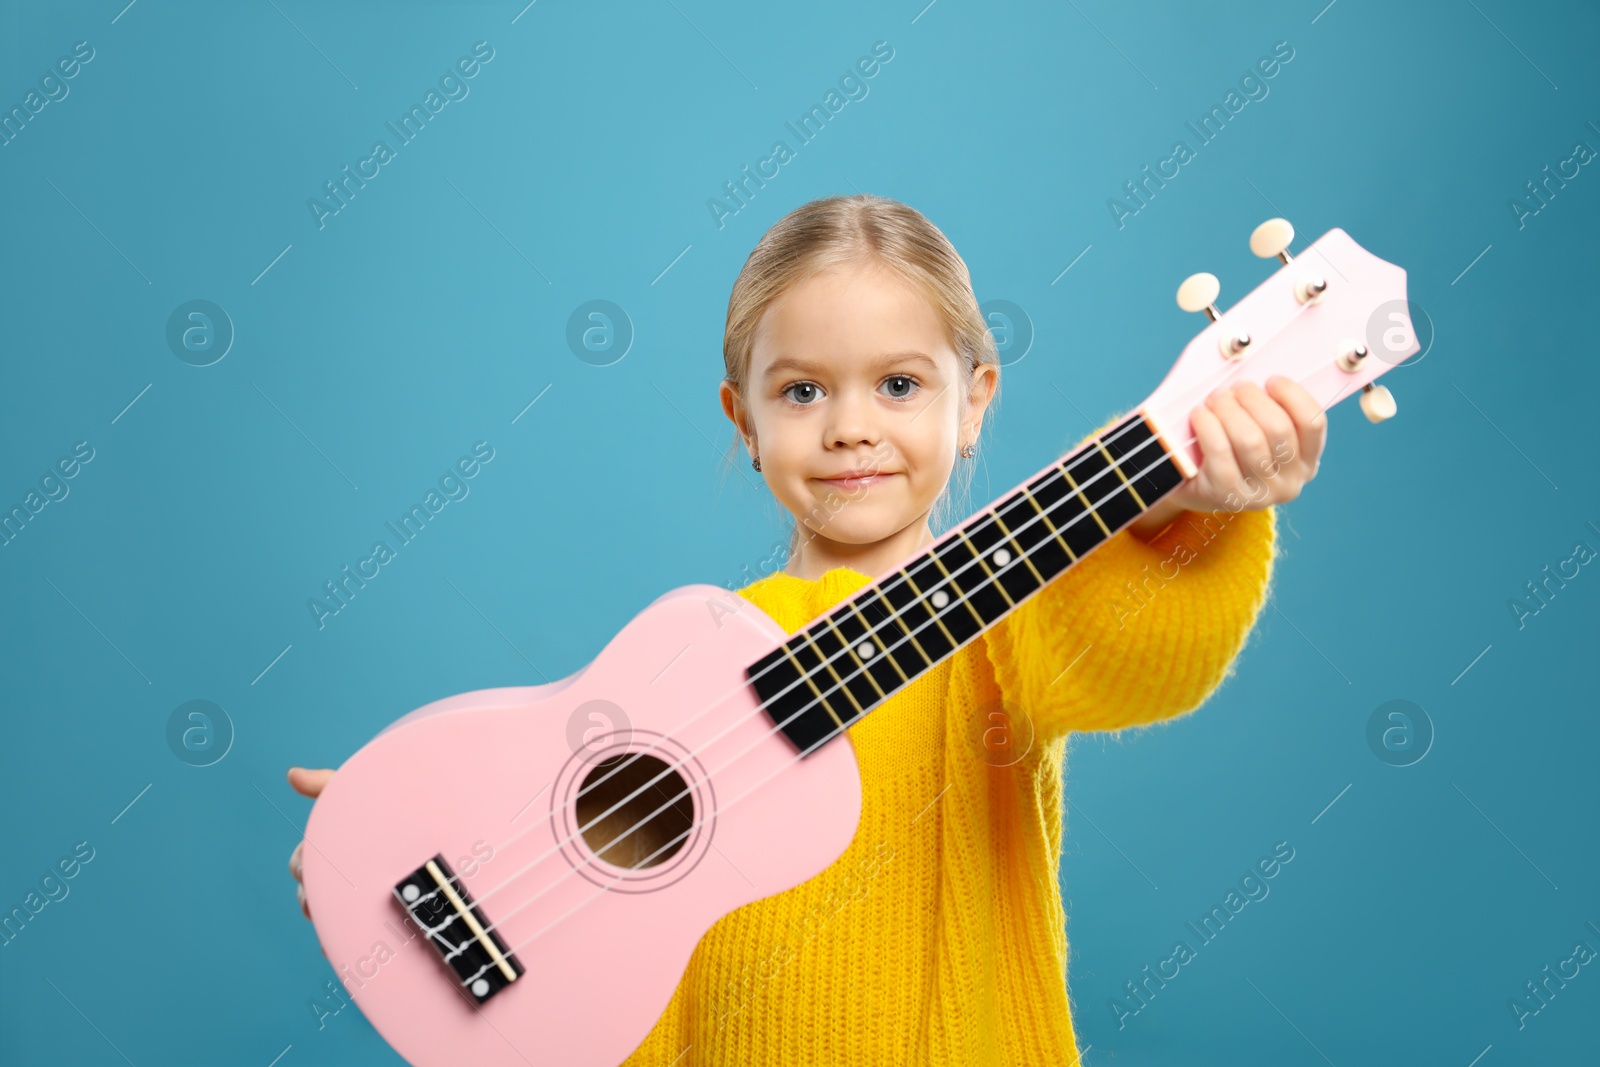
[[1272, 238], [1351, 355], [1377, 403], [1199, 293]]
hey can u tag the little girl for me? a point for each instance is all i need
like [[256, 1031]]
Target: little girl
[[859, 371]]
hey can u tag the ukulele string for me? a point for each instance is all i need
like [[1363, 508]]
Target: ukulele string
[[667, 771], [829, 660], [745, 684], [664, 847], [649, 818]]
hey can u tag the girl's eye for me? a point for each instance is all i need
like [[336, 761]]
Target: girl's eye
[[788, 392], [804, 394], [910, 385]]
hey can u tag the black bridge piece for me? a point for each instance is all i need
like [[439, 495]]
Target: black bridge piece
[[444, 911]]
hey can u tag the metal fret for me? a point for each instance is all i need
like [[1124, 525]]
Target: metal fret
[[1029, 525], [964, 589], [865, 651], [889, 610], [806, 673], [1023, 553], [860, 665], [924, 599], [1093, 510], [826, 659]]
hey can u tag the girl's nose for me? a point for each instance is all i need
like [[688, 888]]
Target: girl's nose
[[852, 422]]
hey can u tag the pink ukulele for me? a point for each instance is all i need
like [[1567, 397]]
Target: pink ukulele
[[495, 887]]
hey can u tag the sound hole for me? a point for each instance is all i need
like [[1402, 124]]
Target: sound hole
[[646, 830]]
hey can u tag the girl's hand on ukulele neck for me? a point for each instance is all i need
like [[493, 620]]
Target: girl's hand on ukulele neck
[[307, 783], [1259, 447]]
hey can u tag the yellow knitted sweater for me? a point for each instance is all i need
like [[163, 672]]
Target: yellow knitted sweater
[[939, 936]]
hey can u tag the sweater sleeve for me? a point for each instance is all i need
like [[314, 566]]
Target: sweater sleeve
[[1137, 632]]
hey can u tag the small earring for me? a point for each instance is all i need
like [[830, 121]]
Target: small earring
[[968, 451], [755, 462]]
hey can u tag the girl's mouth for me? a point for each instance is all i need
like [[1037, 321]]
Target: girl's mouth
[[852, 482]]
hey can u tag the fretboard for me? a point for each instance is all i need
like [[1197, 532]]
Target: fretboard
[[848, 661]]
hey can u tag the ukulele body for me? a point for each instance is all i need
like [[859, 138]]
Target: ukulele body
[[489, 781]]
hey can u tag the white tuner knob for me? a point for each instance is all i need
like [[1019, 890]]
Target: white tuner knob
[[1199, 293], [1272, 238], [1377, 403]]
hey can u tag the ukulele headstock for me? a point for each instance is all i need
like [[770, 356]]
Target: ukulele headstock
[[1334, 318]]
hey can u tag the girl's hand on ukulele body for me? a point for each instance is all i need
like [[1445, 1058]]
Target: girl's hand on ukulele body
[[310, 784], [1250, 439]]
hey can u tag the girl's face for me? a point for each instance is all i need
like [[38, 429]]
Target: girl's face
[[857, 406]]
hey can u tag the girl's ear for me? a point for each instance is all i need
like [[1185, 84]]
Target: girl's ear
[[733, 407], [985, 380]]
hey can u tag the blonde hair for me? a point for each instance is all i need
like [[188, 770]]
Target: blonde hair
[[836, 231]]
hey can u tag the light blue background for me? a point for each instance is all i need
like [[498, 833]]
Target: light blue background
[[430, 311]]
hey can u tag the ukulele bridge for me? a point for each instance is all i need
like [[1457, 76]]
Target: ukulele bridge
[[439, 903]]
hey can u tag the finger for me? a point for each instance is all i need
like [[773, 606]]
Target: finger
[[1310, 421], [308, 782], [294, 860], [1270, 415], [1282, 442], [300, 892], [1217, 464], [1248, 442]]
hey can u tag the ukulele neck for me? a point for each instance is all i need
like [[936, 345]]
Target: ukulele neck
[[848, 661]]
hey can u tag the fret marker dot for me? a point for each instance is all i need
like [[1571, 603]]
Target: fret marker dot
[[480, 988], [940, 598], [411, 893], [1002, 557], [865, 649]]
